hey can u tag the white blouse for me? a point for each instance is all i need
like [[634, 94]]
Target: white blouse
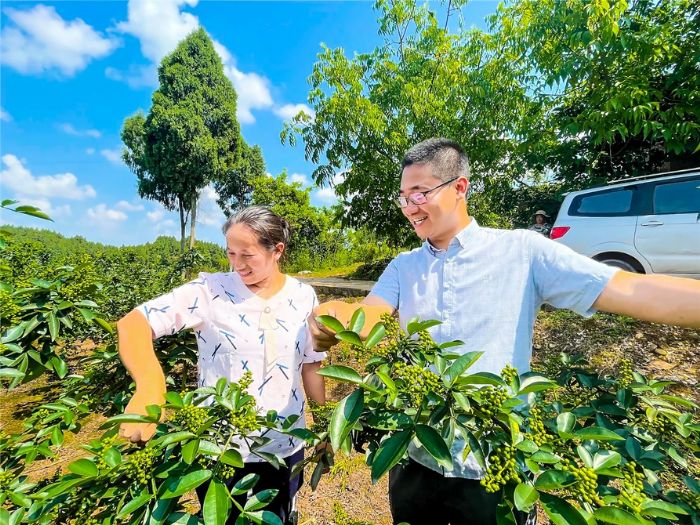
[[238, 331]]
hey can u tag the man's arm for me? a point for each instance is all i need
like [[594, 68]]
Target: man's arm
[[137, 353], [372, 305], [655, 298]]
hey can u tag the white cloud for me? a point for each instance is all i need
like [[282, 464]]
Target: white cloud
[[289, 111], [71, 130], [326, 195], [155, 215], [5, 116], [128, 206], [112, 155], [208, 211], [159, 26], [300, 178], [63, 185], [40, 40], [253, 93], [90, 151], [103, 214]]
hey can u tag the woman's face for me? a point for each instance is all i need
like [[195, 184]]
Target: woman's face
[[248, 258]]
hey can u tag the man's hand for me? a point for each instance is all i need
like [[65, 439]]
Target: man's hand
[[141, 432], [324, 337]]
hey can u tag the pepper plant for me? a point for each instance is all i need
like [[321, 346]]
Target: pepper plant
[[586, 448]]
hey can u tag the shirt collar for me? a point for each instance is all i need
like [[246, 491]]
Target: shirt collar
[[461, 239]]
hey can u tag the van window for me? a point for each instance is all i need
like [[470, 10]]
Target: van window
[[606, 203], [677, 197]]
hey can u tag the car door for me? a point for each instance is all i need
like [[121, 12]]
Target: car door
[[669, 238]]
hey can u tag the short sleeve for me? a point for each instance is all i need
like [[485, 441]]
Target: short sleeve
[[311, 355], [183, 308], [566, 279], [387, 286]]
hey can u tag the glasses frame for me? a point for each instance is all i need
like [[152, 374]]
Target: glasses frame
[[403, 202]]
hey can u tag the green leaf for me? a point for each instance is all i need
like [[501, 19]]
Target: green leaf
[[344, 416], [330, 322], [560, 511], [33, 211], [84, 467], [11, 373], [349, 337], [565, 422], [232, 457], [53, 325], [554, 479], [135, 504], [174, 399], [189, 451], [60, 366], [13, 333], [390, 452], [261, 499], [106, 326], [415, 326], [482, 378], [604, 459], [217, 504], [617, 516], [531, 382], [542, 456], [176, 487], [525, 496], [435, 445], [597, 433], [244, 484], [462, 363], [375, 335], [340, 373], [357, 321]]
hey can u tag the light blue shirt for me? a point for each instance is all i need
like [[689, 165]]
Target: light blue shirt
[[486, 288]]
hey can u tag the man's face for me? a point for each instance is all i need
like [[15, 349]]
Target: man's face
[[437, 219]]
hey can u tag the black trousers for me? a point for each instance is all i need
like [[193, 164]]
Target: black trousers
[[270, 478], [421, 496]]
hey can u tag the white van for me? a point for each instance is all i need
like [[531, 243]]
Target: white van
[[648, 224]]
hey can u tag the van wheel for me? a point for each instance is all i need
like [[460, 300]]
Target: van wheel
[[619, 260]]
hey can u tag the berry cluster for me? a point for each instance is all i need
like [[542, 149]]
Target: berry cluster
[[140, 465], [223, 471], [246, 380], [501, 469], [632, 487], [417, 382], [491, 400], [426, 341], [6, 478], [105, 445], [538, 432], [190, 417], [692, 499], [390, 344], [509, 373], [660, 425], [244, 420], [585, 488], [626, 373]]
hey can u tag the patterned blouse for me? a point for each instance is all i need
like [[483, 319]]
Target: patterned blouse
[[238, 331]]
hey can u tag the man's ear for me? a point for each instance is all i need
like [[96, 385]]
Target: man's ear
[[462, 186]]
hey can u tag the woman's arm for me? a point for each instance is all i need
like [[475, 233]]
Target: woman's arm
[[137, 353], [314, 384]]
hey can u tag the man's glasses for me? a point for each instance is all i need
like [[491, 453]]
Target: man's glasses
[[419, 197]]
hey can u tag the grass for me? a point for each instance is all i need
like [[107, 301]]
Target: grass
[[343, 271]]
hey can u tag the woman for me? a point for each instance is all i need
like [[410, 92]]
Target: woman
[[253, 318]]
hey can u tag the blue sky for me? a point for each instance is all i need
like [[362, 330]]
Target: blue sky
[[73, 71]]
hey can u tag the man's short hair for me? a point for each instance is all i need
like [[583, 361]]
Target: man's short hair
[[446, 157]]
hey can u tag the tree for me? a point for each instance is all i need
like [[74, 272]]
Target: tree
[[423, 81], [235, 189], [190, 137]]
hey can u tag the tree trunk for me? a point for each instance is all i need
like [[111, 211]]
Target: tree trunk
[[193, 216], [183, 223]]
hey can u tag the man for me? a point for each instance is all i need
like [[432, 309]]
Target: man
[[541, 225], [486, 287]]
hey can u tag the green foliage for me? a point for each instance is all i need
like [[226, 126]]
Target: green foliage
[[123, 483], [554, 96], [587, 447], [190, 137]]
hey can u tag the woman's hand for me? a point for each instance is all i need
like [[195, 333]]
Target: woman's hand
[[141, 432]]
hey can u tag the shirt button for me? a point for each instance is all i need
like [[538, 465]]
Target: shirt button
[[267, 310]]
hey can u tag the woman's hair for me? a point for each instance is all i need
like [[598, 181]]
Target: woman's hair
[[269, 228]]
